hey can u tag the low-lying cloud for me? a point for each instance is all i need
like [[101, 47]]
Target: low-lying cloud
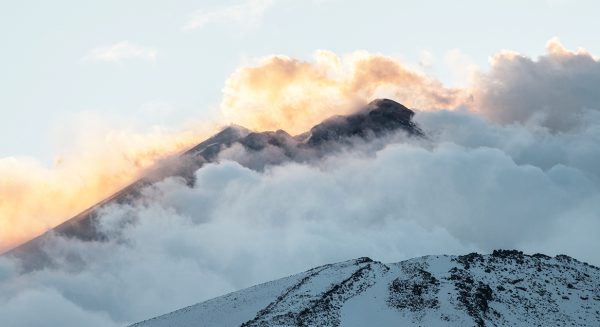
[[475, 186], [503, 167]]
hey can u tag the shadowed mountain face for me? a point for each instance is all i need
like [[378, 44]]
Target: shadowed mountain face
[[505, 288], [254, 150]]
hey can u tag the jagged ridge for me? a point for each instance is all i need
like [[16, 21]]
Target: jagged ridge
[[505, 288]]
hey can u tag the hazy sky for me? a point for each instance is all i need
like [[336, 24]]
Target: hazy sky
[[510, 159], [135, 64]]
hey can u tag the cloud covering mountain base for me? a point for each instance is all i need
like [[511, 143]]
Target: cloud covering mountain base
[[481, 180]]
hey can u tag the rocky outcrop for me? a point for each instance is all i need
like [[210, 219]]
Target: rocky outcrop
[[506, 288]]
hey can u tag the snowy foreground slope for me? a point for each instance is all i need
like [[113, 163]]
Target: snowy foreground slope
[[506, 288]]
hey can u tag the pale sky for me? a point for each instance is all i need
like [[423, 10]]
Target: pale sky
[[85, 84], [136, 64]]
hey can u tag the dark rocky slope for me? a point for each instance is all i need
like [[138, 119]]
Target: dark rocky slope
[[379, 118]]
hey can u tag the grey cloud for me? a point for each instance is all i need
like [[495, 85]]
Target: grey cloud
[[474, 185], [556, 90], [527, 145], [521, 172]]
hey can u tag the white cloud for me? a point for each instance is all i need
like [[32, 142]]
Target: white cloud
[[245, 12], [474, 186], [487, 178], [554, 90], [122, 51]]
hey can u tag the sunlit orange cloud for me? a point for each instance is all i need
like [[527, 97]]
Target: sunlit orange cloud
[[276, 93], [34, 198], [291, 94]]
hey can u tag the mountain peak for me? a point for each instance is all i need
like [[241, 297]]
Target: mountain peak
[[380, 117], [505, 288], [387, 103]]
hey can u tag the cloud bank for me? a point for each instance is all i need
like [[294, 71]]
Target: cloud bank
[[510, 162], [475, 187], [556, 90]]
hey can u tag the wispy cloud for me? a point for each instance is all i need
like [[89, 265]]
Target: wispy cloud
[[122, 51], [245, 12]]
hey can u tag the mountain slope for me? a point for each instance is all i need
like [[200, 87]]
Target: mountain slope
[[377, 119], [506, 288]]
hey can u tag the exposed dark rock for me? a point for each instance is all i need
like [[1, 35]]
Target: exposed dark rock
[[380, 117], [417, 291], [469, 259], [322, 308], [473, 296]]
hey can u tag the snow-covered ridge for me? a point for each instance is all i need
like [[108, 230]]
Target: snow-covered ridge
[[505, 288]]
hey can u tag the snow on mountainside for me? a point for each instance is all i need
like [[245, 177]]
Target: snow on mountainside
[[505, 288]]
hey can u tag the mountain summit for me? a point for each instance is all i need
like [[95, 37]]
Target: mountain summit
[[505, 288], [254, 150]]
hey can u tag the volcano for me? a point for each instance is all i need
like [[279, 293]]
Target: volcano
[[380, 118], [503, 288]]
